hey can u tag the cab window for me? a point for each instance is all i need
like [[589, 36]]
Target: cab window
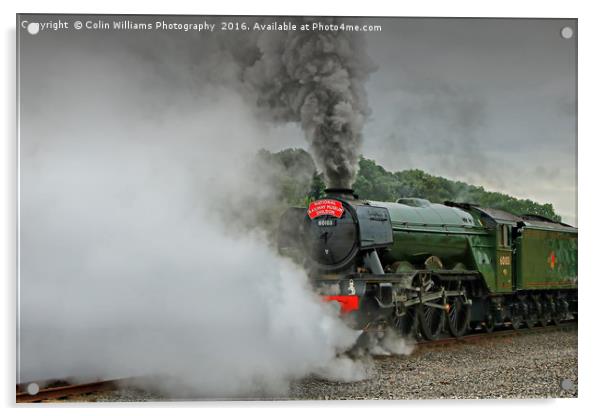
[[504, 235]]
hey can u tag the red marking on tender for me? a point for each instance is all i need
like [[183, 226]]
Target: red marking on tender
[[552, 260], [348, 303], [321, 207]]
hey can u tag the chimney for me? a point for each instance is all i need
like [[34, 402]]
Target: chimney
[[341, 193]]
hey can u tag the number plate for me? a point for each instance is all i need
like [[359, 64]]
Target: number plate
[[327, 223]]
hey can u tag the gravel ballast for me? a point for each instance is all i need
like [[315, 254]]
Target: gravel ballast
[[531, 365], [527, 366]]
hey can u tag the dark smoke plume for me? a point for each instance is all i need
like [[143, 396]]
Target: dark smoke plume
[[316, 78]]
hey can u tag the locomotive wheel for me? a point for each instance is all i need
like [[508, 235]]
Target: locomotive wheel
[[556, 314], [530, 319], [430, 321], [516, 322], [560, 311], [553, 305], [544, 314], [530, 316], [458, 317], [516, 318], [489, 323], [407, 325]]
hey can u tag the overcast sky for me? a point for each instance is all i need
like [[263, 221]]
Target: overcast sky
[[487, 101]]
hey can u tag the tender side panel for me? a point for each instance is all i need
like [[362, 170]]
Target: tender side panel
[[546, 259]]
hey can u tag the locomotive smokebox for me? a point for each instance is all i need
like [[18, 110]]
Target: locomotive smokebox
[[341, 193]]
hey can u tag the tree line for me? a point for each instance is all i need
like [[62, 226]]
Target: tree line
[[297, 182]]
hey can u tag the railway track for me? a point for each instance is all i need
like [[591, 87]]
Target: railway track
[[474, 338], [29, 393], [502, 333]]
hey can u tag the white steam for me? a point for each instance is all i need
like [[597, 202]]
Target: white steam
[[129, 263], [393, 344]]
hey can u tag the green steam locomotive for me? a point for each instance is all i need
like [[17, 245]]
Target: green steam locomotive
[[425, 268]]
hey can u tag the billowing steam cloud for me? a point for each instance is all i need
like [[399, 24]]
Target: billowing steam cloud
[[138, 254], [135, 255], [317, 79]]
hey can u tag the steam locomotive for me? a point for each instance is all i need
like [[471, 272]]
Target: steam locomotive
[[425, 269]]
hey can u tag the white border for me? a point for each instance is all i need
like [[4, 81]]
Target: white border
[[589, 201]]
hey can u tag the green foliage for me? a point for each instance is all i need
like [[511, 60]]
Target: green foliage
[[375, 183], [292, 174], [317, 187]]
